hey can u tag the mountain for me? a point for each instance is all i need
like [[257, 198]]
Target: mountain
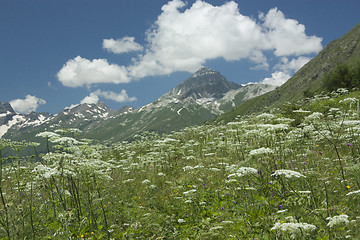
[[345, 50], [200, 98]]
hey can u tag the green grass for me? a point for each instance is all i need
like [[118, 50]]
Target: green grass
[[221, 181]]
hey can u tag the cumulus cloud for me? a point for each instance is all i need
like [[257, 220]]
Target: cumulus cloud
[[183, 39], [293, 65], [123, 45], [80, 71], [277, 78], [287, 36], [91, 99], [29, 104], [287, 68], [117, 97]]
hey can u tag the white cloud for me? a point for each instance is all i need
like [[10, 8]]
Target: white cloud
[[277, 78], [287, 36], [123, 45], [24, 106], [91, 99], [117, 97], [293, 65], [183, 39], [80, 71]]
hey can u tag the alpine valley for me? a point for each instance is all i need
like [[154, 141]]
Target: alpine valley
[[202, 97]]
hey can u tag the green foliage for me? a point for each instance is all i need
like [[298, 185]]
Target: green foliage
[[289, 174], [343, 76]]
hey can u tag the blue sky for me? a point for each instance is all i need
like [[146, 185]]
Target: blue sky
[[57, 53]]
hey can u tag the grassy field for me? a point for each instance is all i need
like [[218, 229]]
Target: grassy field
[[292, 173]]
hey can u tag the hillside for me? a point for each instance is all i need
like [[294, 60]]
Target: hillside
[[256, 177], [344, 50]]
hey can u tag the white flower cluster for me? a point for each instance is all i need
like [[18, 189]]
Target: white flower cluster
[[293, 227], [241, 171], [288, 173], [301, 111], [266, 116], [349, 100], [343, 218], [47, 135], [260, 151], [314, 116], [190, 191], [274, 127]]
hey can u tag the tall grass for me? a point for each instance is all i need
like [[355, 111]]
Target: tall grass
[[278, 175]]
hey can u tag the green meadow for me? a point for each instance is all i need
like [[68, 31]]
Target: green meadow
[[289, 173]]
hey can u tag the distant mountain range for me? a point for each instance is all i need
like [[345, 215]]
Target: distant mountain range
[[198, 99]]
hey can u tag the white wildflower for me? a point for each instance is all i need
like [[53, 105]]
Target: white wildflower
[[337, 219], [227, 222], [66, 140], [287, 173], [181, 220], [215, 228], [128, 180], [146, 181], [314, 116], [266, 116], [190, 191], [349, 100], [47, 135], [188, 168], [301, 111], [161, 174], [293, 228], [354, 192], [260, 151]]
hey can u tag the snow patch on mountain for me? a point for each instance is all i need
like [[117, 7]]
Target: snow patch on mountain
[[15, 120]]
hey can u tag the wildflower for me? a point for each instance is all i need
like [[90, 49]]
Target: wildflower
[[47, 135], [145, 181], [343, 218], [287, 173], [190, 191], [314, 116], [215, 228], [181, 220], [260, 151], [301, 111], [348, 187], [354, 192], [293, 227]]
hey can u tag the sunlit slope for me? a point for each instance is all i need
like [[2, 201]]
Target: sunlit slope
[[308, 79]]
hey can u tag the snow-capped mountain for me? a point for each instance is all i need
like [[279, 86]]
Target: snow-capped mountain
[[200, 98]]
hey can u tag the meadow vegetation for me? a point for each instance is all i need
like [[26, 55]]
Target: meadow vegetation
[[290, 173]]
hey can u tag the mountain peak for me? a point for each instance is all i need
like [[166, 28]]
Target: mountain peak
[[204, 83], [203, 71]]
